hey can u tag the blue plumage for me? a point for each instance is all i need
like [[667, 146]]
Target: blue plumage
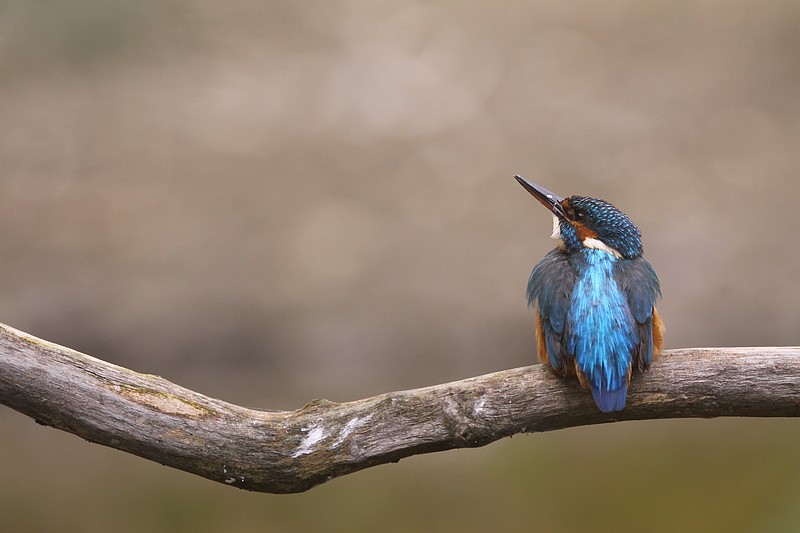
[[550, 284], [602, 333], [595, 297]]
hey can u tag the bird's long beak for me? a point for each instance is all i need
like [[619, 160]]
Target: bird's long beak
[[550, 200]]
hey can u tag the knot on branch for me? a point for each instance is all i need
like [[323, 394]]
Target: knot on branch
[[465, 417]]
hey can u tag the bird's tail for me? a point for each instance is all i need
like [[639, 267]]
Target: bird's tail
[[609, 400]]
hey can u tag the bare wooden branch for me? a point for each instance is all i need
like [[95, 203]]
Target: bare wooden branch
[[292, 451]]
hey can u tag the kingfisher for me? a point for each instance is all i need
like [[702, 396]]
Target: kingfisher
[[594, 296]]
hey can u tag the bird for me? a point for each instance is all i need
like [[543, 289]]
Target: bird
[[594, 297]]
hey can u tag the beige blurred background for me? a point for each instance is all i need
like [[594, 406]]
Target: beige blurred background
[[279, 201]]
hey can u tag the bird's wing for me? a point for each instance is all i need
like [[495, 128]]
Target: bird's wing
[[639, 283], [549, 291]]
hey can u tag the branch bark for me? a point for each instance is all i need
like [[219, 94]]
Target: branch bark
[[292, 451]]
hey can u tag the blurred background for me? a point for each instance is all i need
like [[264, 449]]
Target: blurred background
[[278, 201]]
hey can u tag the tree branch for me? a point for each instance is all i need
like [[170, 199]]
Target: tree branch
[[292, 451]]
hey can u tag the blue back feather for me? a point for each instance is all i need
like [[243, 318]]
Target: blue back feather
[[603, 333], [601, 318]]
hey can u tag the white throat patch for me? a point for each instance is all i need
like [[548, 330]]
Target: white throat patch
[[600, 245], [556, 228]]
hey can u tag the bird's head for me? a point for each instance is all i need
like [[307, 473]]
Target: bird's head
[[581, 221]]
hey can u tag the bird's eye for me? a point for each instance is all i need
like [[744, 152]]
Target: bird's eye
[[579, 216]]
